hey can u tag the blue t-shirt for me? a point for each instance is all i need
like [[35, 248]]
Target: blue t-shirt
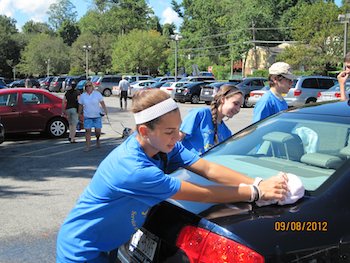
[[268, 105], [199, 129], [125, 186]]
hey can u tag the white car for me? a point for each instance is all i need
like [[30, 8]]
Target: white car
[[255, 95], [333, 93], [169, 87], [139, 85]]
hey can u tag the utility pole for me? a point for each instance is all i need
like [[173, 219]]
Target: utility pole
[[176, 38], [255, 55], [48, 67], [345, 18], [87, 48]]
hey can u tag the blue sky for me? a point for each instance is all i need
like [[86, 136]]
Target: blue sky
[[25, 10]]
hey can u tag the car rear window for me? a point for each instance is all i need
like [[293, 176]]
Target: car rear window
[[325, 83], [310, 83]]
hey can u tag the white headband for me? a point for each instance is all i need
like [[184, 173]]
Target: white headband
[[155, 111]]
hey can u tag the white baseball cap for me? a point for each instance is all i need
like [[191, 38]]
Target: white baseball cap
[[283, 69]]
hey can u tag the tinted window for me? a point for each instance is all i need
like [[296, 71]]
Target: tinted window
[[8, 99], [34, 98], [310, 83], [116, 79], [143, 78], [325, 83]]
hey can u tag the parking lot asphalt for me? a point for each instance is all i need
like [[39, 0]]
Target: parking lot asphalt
[[41, 179]]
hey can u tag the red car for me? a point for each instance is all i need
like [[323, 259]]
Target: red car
[[32, 110]]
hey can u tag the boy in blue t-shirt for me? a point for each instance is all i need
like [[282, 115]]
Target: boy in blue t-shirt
[[281, 80]]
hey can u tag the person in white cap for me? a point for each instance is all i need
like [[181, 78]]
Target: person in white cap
[[133, 178], [280, 81]]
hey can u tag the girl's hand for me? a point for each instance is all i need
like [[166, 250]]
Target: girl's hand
[[274, 188]]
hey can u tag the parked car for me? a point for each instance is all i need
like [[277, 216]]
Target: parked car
[[306, 88], [249, 84], [158, 84], [170, 87], [139, 85], [206, 73], [314, 229], [32, 110], [333, 93], [56, 84], [81, 85], [165, 78], [133, 78], [45, 83], [7, 81], [21, 83], [104, 84], [2, 133], [197, 79], [68, 80], [189, 92], [2, 84], [256, 95], [209, 91]]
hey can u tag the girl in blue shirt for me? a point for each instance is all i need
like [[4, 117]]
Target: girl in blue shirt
[[132, 179], [202, 128]]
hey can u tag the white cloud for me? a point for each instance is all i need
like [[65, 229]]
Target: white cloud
[[170, 16], [31, 9]]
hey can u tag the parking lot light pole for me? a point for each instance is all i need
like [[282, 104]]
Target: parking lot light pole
[[176, 38], [87, 48], [48, 67], [345, 18]]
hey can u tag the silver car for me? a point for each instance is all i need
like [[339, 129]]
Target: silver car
[[306, 88], [333, 93]]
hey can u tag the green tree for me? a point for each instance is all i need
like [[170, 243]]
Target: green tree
[[99, 54], [9, 46], [69, 32], [139, 51], [61, 11], [319, 48], [40, 48], [32, 27]]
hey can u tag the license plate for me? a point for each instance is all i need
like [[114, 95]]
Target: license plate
[[206, 92], [142, 246], [284, 94], [256, 96], [178, 91]]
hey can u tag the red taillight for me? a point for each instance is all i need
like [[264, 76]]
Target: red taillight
[[169, 88], [318, 94], [55, 83], [337, 94], [251, 94], [203, 246], [297, 92], [96, 83]]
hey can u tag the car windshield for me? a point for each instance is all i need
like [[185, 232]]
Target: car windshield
[[292, 143]]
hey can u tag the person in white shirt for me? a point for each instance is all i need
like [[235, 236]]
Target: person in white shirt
[[90, 103], [124, 87]]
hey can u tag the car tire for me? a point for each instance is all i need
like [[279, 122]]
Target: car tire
[[107, 92], [310, 100], [246, 103], [195, 99], [57, 127]]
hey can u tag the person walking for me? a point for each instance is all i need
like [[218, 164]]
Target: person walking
[[70, 106], [133, 178], [28, 82], [90, 103], [202, 128], [280, 81], [343, 76], [124, 87]]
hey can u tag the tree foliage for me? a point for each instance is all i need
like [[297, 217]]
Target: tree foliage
[[139, 51], [9, 46], [69, 32], [40, 48], [61, 11], [320, 45], [32, 27]]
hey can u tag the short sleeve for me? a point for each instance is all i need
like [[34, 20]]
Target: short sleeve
[[191, 122], [180, 157]]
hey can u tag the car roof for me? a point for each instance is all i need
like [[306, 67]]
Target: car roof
[[328, 108]]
